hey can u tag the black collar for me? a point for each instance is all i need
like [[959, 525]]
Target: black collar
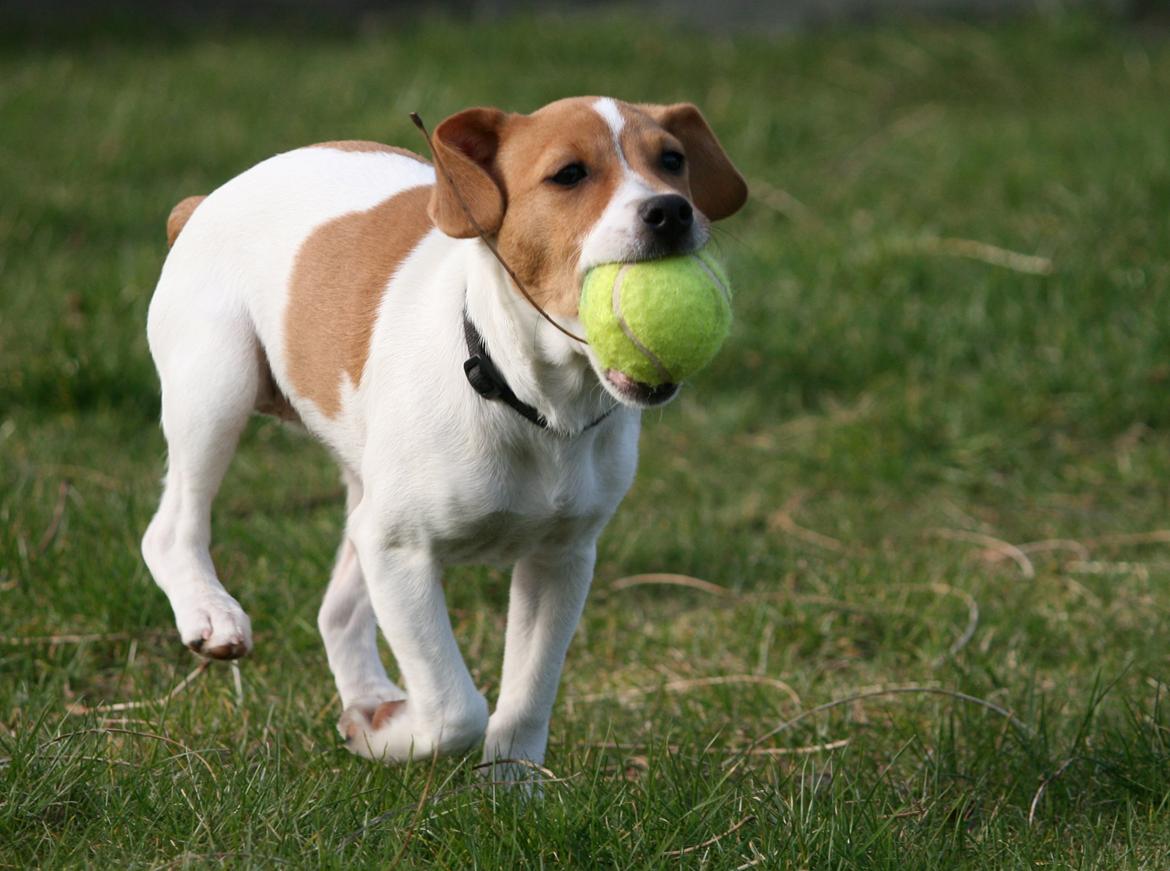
[[489, 383]]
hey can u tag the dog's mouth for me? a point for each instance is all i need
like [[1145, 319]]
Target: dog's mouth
[[636, 393]]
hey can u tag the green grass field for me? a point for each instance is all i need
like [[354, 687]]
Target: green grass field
[[934, 456]]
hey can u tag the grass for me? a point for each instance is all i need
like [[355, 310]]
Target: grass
[[919, 462]]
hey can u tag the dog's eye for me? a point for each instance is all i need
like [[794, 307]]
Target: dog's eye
[[672, 161], [567, 176]]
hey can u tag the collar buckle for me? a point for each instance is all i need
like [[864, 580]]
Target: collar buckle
[[480, 374]]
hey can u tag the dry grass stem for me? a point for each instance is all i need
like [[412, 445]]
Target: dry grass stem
[[523, 763], [82, 638], [710, 841], [806, 750], [752, 863], [422, 802], [892, 691], [1122, 539], [829, 602], [55, 522], [78, 709], [671, 580], [1099, 567], [693, 683], [780, 200], [985, 252], [105, 760], [123, 721], [138, 734], [450, 793], [237, 681], [1044, 785], [783, 521], [972, 616], [1048, 545], [197, 860], [993, 544], [791, 598]]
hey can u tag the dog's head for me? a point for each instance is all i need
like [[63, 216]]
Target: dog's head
[[581, 182]]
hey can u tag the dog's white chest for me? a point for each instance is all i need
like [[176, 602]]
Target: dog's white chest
[[502, 537], [525, 501]]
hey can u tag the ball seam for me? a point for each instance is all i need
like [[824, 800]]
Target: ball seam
[[637, 343], [723, 288]]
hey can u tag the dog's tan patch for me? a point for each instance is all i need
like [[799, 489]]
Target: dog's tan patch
[[362, 145], [643, 142], [710, 179], [340, 273], [546, 224], [179, 217]]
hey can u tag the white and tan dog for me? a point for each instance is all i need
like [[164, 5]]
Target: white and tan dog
[[344, 285]]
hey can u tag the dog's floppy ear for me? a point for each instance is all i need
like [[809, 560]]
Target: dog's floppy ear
[[717, 187], [465, 148]]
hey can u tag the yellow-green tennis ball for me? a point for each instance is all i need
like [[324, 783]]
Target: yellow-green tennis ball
[[657, 321]]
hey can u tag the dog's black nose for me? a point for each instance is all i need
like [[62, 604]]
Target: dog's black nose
[[668, 216]]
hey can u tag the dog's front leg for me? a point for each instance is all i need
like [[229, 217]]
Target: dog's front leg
[[443, 711], [548, 593]]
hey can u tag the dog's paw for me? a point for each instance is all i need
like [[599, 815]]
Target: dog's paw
[[214, 625], [389, 731], [514, 752]]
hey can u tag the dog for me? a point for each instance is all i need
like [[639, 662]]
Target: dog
[[421, 321]]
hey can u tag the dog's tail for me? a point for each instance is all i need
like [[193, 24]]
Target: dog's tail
[[179, 217]]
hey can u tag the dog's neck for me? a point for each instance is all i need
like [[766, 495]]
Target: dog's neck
[[545, 368]]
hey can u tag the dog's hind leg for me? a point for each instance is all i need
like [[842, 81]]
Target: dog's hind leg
[[350, 632], [206, 354]]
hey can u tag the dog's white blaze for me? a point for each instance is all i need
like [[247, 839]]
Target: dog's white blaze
[[608, 110], [613, 237]]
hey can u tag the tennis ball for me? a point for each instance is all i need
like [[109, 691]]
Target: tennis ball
[[657, 321]]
